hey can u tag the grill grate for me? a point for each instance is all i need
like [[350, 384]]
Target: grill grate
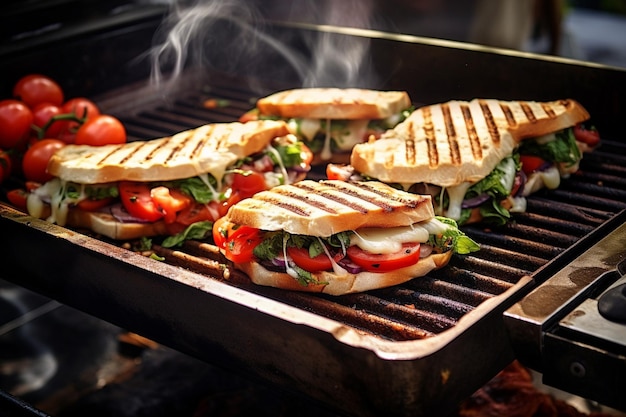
[[554, 221]]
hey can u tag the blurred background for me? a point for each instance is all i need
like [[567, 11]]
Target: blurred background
[[589, 30]]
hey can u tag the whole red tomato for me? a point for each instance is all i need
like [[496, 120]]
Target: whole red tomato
[[15, 121], [33, 89], [42, 113], [81, 107], [5, 165], [101, 130], [36, 158]]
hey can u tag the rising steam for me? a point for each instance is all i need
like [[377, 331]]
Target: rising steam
[[229, 34]]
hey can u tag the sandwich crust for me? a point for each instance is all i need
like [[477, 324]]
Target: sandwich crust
[[458, 141], [106, 225], [334, 103], [208, 148], [344, 284], [327, 207]]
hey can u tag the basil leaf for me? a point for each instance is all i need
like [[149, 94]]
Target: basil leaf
[[196, 231], [196, 188], [562, 149], [290, 154], [100, 192], [452, 239]]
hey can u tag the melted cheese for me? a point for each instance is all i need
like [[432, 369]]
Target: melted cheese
[[456, 195], [542, 140], [390, 239], [55, 192], [283, 170], [310, 127], [352, 135], [508, 179], [336, 268], [288, 269], [550, 178], [214, 192], [345, 139], [518, 204], [326, 152]]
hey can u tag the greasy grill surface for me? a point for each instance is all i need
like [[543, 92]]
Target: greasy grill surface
[[423, 307]]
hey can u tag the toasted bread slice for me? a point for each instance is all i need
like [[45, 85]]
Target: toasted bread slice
[[454, 142], [334, 103], [327, 207], [209, 148]]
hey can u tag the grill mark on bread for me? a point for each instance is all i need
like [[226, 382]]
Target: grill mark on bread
[[385, 205], [549, 110], [116, 150], [453, 142], [201, 143], [177, 149], [477, 151], [329, 196], [429, 132], [508, 114], [410, 150], [196, 143], [491, 123], [276, 201], [528, 111], [131, 149], [409, 146]]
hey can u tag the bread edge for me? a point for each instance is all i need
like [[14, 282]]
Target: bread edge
[[346, 284]]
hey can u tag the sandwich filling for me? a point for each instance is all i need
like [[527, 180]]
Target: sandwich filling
[[187, 206], [328, 136], [378, 250], [536, 163]]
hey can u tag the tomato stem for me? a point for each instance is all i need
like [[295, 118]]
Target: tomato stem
[[41, 131]]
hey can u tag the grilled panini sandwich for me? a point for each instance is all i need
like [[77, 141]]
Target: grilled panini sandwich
[[478, 159], [337, 237], [332, 120], [174, 185]]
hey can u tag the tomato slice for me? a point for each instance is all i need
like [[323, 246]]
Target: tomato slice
[[319, 263], [306, 154], [93, 204], [589, 136], [249, 116], [240, 243], [193, 213], [17, 198], [407, 256], [220, 208], [32, 185], [248, 184], [221, 228], [339, 172], [531, 163], [169, 202], [137, 201]]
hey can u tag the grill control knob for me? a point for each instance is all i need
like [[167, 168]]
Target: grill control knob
[[612, 304]]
